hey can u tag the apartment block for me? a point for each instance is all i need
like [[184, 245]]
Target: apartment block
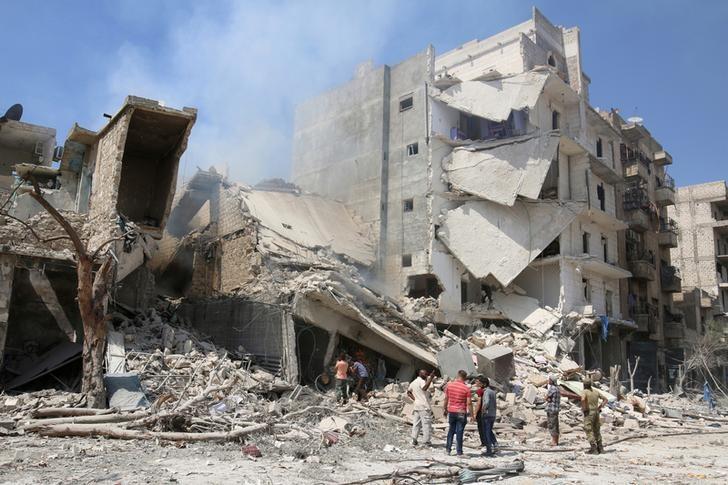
[[488, 179], [701, 214]]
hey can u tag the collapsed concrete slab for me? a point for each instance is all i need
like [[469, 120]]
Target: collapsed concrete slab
[[289, 221], [454, 358], [500, 171], [496, 362], [526, 311], [491, 239], [494, 100]]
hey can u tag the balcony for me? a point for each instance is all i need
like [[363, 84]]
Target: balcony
[[637, 209], [634, 169], [668, 233], [662, 158], [641, 263], [670, 279], [644, 315], [665, 191]]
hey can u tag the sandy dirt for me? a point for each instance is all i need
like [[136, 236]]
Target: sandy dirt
[[32, 459]]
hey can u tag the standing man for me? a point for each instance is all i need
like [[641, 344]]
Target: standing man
[[553, 406], [342, 378], [457, 406], [361, 374], [489, 413], [419, 392], [479, 391], [591, 405]]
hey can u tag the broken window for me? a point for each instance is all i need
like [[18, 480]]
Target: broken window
[[585, 236], [601, 197], [599, 148], [412, 149], [605, 248], [406, 103], [555, 120], [408, 205], [425, 286], [608, 297], [406, 260], [587, 290]]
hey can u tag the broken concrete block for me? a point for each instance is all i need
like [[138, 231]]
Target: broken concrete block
[[568, 366], [333, 423], [551, 347], [538, 380], [510, 399], [454, 358], [496, 362], [530, 394], [407, 410]]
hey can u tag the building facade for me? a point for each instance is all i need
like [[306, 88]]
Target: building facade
[[484, 172]]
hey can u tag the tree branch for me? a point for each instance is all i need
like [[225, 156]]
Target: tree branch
[[72, 233], [109, 241]]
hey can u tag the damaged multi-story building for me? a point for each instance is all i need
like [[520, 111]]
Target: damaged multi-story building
[[491, 184], [117, 182], [701, 253]]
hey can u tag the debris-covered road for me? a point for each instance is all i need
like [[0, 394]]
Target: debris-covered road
[[33, 459]]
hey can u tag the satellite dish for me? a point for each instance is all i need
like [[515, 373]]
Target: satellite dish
[[15, 112], [636, 120]]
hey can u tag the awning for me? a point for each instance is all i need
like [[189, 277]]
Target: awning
[[493, 239], [494, 100], [502, 170]]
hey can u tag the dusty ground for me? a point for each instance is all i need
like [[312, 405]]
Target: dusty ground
[[33, 459]]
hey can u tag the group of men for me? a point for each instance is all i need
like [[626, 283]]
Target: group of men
[[458, 405], [358, 371]]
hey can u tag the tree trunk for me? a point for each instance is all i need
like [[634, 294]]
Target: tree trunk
[[92, 305]]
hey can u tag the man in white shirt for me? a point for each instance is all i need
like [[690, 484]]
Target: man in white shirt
[[419, 392]]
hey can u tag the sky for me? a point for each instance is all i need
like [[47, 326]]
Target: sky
[[246, 64]]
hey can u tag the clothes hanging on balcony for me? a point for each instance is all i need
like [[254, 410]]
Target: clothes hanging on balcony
[[605, 326]]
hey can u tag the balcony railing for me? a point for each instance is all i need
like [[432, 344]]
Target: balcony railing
[[640, 254], [668, 225], [670, 278], [666, 182], [636, 197], [628, 155]]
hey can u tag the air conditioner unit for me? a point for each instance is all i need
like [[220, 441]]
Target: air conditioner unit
[[38, 148]]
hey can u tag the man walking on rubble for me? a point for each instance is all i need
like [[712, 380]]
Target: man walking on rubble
[[553, 406], [457, 405], [591, 404], [419, 392], [362, 375], [342, 379]]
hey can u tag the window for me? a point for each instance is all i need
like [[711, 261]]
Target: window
[[585, 242], [599, 148], [408, 205], [555, 120], [412, 149], [406, 103], [551, 60], [406, 260], [601, 197], [608, 297], [605, 248], [587, 290]]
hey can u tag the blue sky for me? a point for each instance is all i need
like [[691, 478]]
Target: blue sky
[[245, 65]]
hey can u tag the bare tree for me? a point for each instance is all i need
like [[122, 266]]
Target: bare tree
[[710, 352], [95, 277]]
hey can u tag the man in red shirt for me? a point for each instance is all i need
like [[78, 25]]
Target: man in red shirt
[[457, 406]]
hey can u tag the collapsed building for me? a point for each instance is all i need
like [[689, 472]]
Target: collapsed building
[[281, 275], [492, 186], [116, 186]]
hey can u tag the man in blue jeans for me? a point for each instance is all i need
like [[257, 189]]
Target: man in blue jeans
[[457, 405], [488, 414]]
